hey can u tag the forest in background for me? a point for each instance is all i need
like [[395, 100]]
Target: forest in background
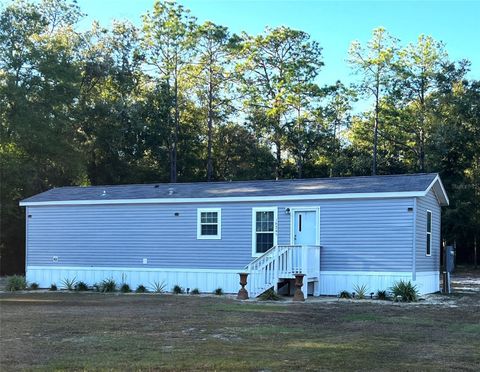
[[174, 100]]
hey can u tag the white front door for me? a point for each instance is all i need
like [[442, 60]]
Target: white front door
[[305, 227]]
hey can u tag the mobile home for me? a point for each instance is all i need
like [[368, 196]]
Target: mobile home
[[339, 232]]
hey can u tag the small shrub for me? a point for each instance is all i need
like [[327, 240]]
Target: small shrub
[[53, 287], [344, 294], [159, 287], [195, 291], [108, 285], [141, 289], [69, 283], [406, 291], [125, 288], [81, 286], [177, 289], [361, 291], [269, 295], [16, 283], [34, 286], [97, 287], [218, 292], [382, 295]]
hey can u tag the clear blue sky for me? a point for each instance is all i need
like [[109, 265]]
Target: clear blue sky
[[333, 24]]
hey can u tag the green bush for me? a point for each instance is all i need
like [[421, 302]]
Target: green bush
[[405, 291], [218, 291], [108, 285], [269, 295], [195, 291], [69, 283], [344, 294], [141, 289], [81, 286], [361, 291], [159, 287], [53, 287], [125, 288], [34, 286], [382, 295], [177, 289], [16, 283]]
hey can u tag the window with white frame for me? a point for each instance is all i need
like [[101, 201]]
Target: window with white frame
[[209, 223], [264, 230], [429, 233]]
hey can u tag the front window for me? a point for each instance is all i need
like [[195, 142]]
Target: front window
[[264, 227], [429, 233], [209, 223]]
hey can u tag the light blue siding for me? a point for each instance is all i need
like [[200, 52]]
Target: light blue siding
[[356, 235], [367, 235], [424, 262]]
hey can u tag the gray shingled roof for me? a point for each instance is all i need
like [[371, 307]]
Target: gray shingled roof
[[317, 186]]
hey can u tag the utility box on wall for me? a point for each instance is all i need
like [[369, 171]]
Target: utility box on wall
[[449, 258]]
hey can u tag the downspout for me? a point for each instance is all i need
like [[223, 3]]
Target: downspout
[[414, 241]]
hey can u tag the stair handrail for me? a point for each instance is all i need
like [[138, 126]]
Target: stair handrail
[[263, 255]]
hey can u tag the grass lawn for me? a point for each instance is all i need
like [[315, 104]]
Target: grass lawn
[[123, 332]]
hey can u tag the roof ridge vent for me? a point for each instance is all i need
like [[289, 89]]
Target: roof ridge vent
[[171, 191]]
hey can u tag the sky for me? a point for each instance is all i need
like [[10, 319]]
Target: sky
[[334, 24]]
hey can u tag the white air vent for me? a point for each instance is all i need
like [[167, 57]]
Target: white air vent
[[55, 258], [145, 261]]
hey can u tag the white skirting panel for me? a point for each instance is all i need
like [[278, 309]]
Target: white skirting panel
[[204, 279], [333, 282], [428, 281]]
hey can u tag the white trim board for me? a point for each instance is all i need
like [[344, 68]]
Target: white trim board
[[436, 180], [367, 273], [380, 195], [26, 235], [157, 269], [414, 239]]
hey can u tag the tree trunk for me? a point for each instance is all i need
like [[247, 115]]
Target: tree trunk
[[334, 145], [299, 149], [278, 173], [375, 133], [422, 151], [173, 164], [300, 167], [422, 125], [475, 252], [210, 124]]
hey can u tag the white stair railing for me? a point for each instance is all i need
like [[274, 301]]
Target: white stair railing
[[282, 262]]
